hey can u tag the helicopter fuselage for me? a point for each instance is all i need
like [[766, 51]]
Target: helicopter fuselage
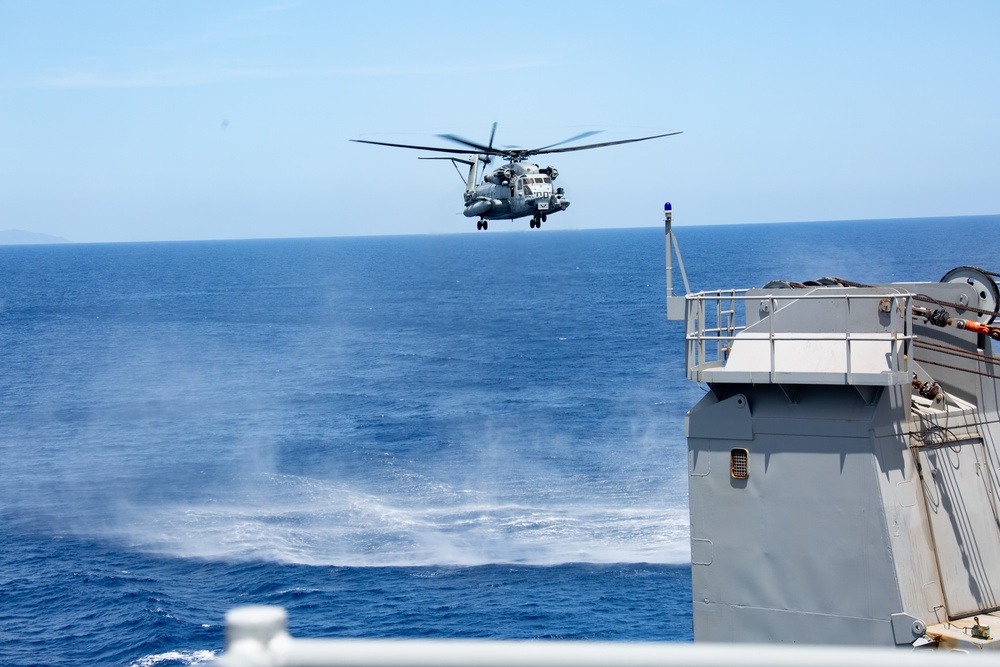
[[516, 190]]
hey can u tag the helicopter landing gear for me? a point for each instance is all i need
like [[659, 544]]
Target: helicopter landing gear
[[536, 222], [482, 225]]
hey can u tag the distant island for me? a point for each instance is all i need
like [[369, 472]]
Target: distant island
[[21, 237]]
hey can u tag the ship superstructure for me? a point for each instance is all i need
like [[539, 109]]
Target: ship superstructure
[[844, 467]]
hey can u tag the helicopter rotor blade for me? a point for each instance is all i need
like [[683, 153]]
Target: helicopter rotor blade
[[602, 145], [421, 148], [512, 154], [479, 148], [493, 133], [489, 157], [566, 141]]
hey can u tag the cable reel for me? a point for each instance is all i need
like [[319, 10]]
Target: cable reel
[[986, 290]]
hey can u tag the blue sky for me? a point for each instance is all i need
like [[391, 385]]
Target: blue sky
[[142, 121]]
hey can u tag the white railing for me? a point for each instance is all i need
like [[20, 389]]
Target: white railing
[[256, 636], [709, 340]]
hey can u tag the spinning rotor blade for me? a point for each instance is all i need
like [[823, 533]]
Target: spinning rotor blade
[[479, 148], [513, 154], [493, 133], [421, 148], [489, 156], [566, 141], [607, 143]]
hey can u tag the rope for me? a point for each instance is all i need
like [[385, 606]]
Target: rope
[[956, 306], [957, 351], [955, 368]]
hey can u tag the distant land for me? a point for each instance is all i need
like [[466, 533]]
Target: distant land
[[21, 237]]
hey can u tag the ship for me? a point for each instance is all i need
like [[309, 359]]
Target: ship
[[844, 462], [844, 481]]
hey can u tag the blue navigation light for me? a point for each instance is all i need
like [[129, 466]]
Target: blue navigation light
[[666, 207]]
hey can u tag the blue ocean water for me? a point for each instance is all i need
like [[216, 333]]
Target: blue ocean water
[[473, 435]]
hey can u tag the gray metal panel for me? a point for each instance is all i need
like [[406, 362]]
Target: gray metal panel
[[727, 420], [957, 490], [804, 536], [905, 517], [724, 623], [778, 626]]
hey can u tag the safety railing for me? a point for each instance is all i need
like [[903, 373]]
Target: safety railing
[[826, 336]]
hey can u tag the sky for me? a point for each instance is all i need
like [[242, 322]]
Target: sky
[[159, 121]]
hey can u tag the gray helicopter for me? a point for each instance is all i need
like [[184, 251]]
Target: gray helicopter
[[516, 190]]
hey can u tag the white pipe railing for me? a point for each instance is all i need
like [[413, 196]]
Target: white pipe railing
[[715, 320]]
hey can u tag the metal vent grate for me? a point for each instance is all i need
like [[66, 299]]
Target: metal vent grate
[[739, 463]]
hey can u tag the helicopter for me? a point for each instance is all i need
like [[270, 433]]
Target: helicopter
[[517, 189]]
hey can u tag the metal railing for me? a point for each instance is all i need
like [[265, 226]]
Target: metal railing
[[715, 321], [708, 342]]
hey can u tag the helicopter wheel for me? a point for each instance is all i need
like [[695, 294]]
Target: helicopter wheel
[[486, 225]]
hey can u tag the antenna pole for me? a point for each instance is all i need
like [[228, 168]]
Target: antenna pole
[[675, 304], [667, 213]]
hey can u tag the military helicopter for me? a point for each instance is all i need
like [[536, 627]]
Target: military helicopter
[[516, 190]]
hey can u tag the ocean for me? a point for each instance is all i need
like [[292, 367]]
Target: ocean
[[469, 435]]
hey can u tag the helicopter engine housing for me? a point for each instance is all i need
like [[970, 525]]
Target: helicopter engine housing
[[499, 177]]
